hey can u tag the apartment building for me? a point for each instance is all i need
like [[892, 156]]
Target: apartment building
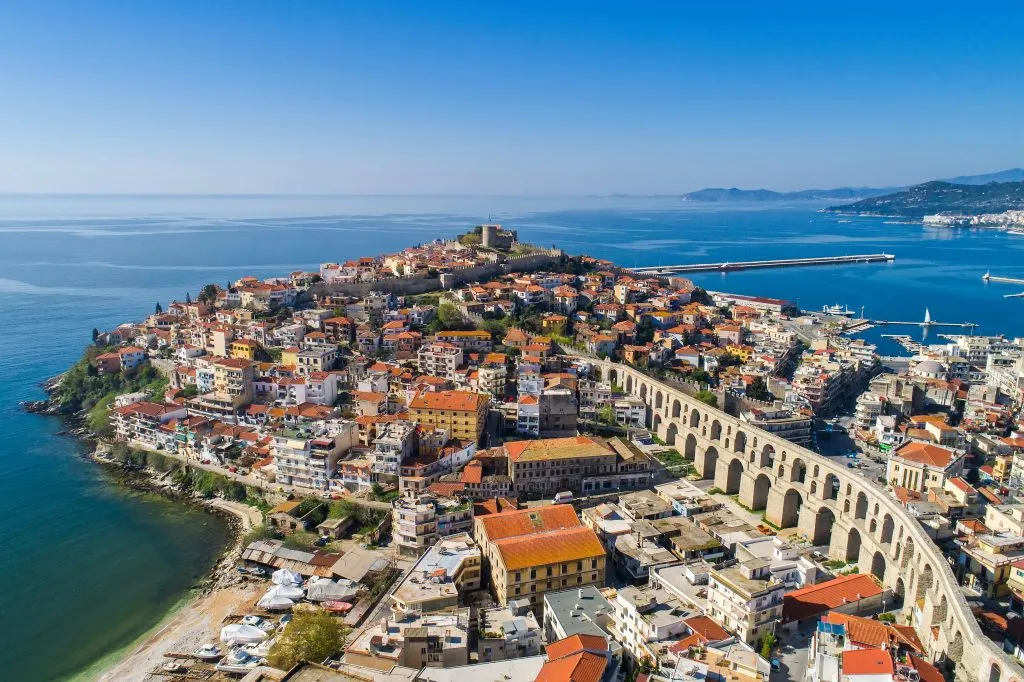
[[418, 523], [462, 413], [920, 466], [440, 360], [581, 464], [396, 442], [475, 341], [793, 425], [232, 381], [310, 460], [745, 599], [529, 566], [451, 567]]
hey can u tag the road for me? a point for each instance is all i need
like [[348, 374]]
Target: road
[[792, 654]]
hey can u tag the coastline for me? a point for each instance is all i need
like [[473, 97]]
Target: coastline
[[198, 613]]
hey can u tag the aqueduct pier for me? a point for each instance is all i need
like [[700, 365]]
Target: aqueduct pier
[[830, 504]]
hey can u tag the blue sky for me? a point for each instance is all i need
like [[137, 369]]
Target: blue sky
[[503, 98]]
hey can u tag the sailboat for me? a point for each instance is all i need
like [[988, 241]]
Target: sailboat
[[927, 318]]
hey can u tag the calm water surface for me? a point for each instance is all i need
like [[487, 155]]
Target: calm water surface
[[91, 567]]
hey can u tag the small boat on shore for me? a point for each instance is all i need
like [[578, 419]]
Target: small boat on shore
[[239, 661], [208, 652]]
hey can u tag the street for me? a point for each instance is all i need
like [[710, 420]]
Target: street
[[792, 653]]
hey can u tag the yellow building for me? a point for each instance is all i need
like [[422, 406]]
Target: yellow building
[[462, 413], [243, 349], [232, 381], [290, 356], [742, 352], [1001, 468], [529, 566]]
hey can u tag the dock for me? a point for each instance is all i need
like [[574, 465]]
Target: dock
[[762, 264]]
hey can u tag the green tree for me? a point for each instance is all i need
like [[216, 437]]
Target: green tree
[[707, 397], [311, 636], [701, 296], [208, 294], [158, 309], [766, 645], [606, 414], [188, 297], [758, 390], [95, 334], [449, 317]]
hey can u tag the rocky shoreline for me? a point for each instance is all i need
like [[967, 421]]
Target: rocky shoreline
[[223, 574]]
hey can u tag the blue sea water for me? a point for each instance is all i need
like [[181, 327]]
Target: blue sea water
[[90, 566]]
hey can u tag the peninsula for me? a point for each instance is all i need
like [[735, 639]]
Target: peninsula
[[481, 459]]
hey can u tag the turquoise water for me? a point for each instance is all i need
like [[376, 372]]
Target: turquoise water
[[91, 566]]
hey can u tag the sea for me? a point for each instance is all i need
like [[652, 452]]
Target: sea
[[92, 567]]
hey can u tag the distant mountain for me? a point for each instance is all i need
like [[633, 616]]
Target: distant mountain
[[733, 194], [941, 197], [1008, 175]]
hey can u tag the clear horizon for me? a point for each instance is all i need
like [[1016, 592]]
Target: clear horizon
[[572, 99]]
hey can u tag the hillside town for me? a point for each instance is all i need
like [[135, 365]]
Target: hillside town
[[463, 463]]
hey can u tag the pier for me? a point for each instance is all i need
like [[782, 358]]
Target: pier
[[761, 264], [988, 277]]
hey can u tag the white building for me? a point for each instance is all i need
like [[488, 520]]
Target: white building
[[745, 599], [396, 441]]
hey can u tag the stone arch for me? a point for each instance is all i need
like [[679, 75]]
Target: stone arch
[[762, 484], [655, 422], [613, 377], [849, 489], [887, 526], [823, 522], [873, 526], [908, 553], [782, 472], [677, 408], [898, 592], [816, 471], [830, 489], [658, 399], [861, 510], [798, 471], [740, 444], [956, 649], [643, 391], [896, 554], [875, 512], [694, 418], [995, 673], [791, 505], [878, 566], [852, 545], [716, 430], [670, 433], [924, 582], [732, 482], [704, 431], [939, 613], [709, 462], [690, 451], [767, 455], [814, 487], [629, 383], [846, 506]]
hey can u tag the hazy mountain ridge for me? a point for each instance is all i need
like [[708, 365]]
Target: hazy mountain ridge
[[941, 197]]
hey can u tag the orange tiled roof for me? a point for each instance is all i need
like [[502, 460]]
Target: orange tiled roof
[[528, 521], [456, 401], [707, 628], [550, 547], [556, 448], [574, 644], [874, 633], [867, 662], [925, 453], [581, 667], [815, 599]]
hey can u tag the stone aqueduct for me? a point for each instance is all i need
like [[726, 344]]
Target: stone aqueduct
[[830, 504]]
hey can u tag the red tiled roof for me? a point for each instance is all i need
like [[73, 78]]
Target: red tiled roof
[[707, 628], [925, 453], [527, 521], [574, 644], [867, 662], [550, 547], [817, 599], [874, 633], [581, 667]]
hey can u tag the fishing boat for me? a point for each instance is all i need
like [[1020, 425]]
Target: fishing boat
[[208, 652], [239, 661], [1017, 231]]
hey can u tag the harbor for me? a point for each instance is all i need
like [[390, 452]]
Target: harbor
[[764, 264]]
